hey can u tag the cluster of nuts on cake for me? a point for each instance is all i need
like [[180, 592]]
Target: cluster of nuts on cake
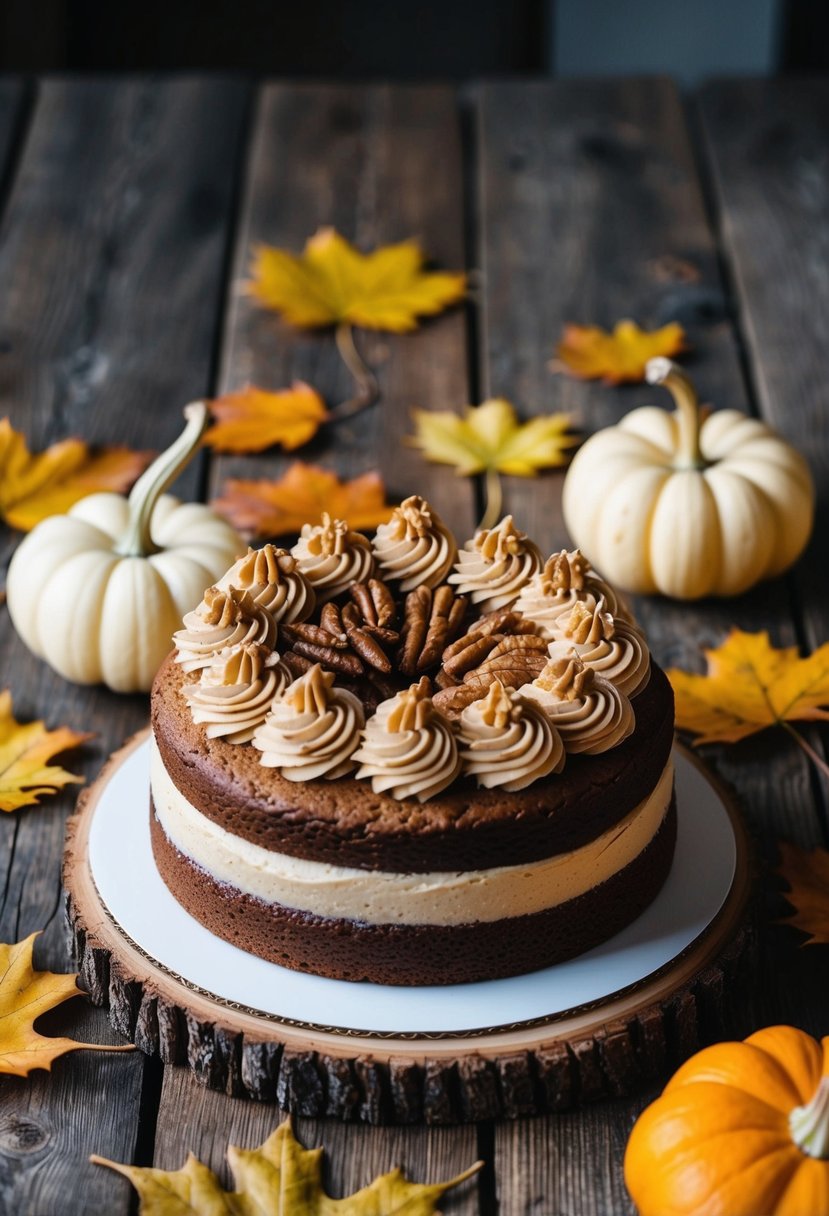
[[408, 662]]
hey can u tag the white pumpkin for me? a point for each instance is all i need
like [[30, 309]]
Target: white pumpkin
[[691, 503], [98, 592]]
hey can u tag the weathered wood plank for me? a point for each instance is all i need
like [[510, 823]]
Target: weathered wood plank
[[589, 200], [380, 164], [111, 257], [362, 159], [768, 143], [570, 1163], [589, 211]]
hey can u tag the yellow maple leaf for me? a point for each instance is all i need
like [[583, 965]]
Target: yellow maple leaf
[[807, 873], [50, 482], [25, 994], [24, 752], [253, 419], [280, 1178], [750, 685], [591, 353], [490, 439], [331, 283], [490, 436], [275, 508]]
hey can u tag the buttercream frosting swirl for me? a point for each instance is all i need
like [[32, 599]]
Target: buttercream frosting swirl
[[590, 714], [274, 582], [496, 565], [224, 618], [614, 649], [312, 730], [415, 547], [408, 748], [508, 741], [332, 556], [567, 578], [236, 691]]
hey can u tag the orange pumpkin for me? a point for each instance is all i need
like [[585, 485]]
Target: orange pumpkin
[[742, 1129]]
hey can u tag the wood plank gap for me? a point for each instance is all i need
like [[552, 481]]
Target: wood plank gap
[[237, 199], [18, 98], [487, 1182]]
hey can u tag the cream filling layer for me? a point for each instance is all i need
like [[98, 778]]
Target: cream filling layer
[[379, 897]]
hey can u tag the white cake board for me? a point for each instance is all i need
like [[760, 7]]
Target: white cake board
[[128, 882], [122, 911]]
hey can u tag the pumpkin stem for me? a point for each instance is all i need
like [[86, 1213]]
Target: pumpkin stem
[[136, 540], [809, 1124], [689, 421]]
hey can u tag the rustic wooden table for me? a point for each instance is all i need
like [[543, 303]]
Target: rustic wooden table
[[129, 210]]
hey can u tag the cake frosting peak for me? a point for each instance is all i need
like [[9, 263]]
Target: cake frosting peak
[[566, 579], [589, 712], [415, 547], [312, 730], [564, 571], [567, 678], [508, 741], [332, 556], [588, 625], [409, 748], [224, 618], [273, 580], [496, 565], [613, 649], [236, 690], [412, 708]]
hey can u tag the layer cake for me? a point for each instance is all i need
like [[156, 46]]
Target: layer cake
[[424, 819]]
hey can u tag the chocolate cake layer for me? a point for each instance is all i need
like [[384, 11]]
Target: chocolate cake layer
[[345, 823], [417, 955]]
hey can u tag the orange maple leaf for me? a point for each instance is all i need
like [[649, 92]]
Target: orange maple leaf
[[331, 283], [591, 353], [807, 873], [253, 419], [750, 685], [274, 508], [33, 486], [24, 753], [25, 994]]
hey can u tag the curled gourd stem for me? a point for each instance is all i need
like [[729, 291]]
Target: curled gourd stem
[[689, 421], [809, 1124], [137, 540]]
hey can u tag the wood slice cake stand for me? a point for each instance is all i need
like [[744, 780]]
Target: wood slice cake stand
[[603, 1025]]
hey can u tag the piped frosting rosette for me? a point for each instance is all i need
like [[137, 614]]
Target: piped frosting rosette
[[590, 714], [508, 741], [613, 649], [274, 582], [567, 578], [408, 748], [495, 566], [236, 691], [332, 557], [415, 547], [224, 619], [312, 730]]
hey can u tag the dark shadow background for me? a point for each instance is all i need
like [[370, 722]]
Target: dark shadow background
[[392, 39]]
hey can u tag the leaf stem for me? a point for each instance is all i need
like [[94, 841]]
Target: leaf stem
[[368, 390], [817, 760], [493, 500]]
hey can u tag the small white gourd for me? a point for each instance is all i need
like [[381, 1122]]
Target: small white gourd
[[691, 503], [98, 592]]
